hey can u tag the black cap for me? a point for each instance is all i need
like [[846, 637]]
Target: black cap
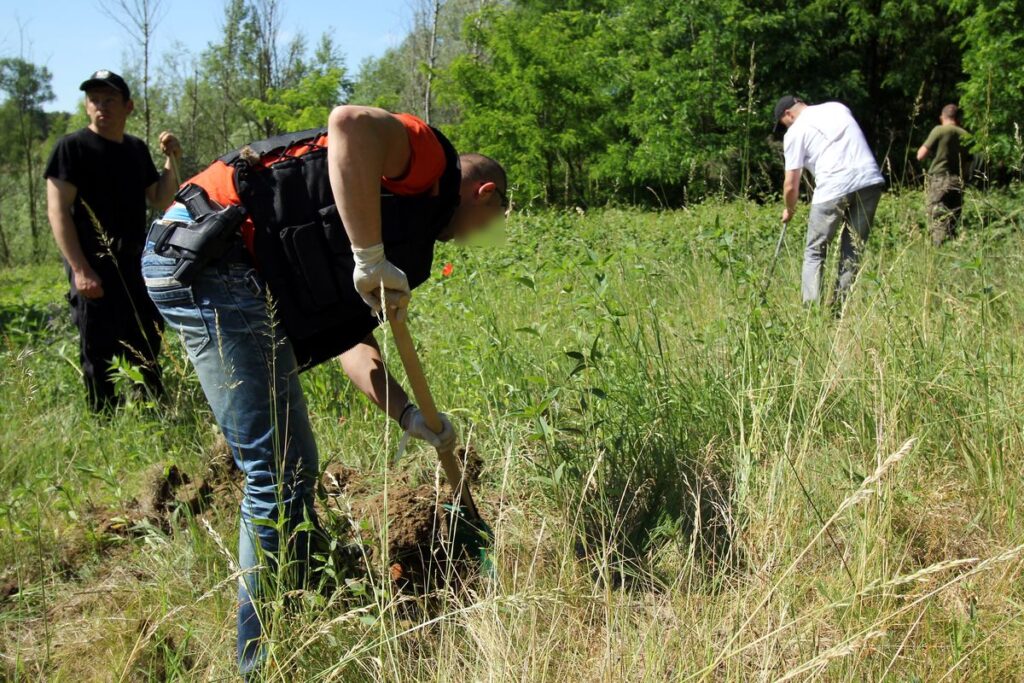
[[105, 78], [785, 102]]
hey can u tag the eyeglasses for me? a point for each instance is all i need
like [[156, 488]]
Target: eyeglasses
[[503, 197]]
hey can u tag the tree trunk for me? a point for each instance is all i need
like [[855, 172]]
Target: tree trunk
[[431, 59], [147, 28], [5, 250], [268, 27], [139, 19], [30, 183]]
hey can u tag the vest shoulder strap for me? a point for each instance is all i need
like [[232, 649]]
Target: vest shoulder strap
[[274, 145]]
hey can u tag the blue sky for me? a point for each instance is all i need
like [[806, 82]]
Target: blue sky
[[73, 38]]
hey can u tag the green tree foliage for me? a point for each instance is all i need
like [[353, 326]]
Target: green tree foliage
[[248, 84], [307, 105], [586, 101], [637, 100], [26, 88], [322, 85], [398, 79], [543, 88], [993, 92]]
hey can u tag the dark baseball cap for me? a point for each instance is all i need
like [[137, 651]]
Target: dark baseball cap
[[105, 78], [784, 103]]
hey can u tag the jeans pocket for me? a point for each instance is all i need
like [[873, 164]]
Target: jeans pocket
[[175, 302]]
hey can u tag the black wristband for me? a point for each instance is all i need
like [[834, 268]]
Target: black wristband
[[401, 417]]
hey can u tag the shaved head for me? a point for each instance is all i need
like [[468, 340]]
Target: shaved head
[[482, 197], [480, 168]]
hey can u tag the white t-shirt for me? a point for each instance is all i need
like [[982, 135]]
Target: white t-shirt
[[826, 140]]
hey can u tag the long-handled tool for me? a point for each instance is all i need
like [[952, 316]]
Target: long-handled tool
[[479, 537], [771, 267]]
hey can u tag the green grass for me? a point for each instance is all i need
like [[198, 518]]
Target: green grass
[[676, 474]]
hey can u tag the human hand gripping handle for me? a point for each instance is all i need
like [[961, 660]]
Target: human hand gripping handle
[[373, 272], [170, 145], [415, 425]]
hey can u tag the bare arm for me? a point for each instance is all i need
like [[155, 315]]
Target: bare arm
[[160, 194], [364, 366], [790, 193], [922, 152], [60, 196], [363, 144]]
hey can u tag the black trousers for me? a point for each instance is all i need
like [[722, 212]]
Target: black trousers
[[123, 322]]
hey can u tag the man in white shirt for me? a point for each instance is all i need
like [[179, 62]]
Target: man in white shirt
[[826, 140]]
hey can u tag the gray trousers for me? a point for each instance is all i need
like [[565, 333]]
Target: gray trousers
[[853, 214]]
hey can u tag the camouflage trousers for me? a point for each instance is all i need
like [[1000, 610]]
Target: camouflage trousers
[[944, 195]]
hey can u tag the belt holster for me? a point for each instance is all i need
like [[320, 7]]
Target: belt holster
[[196, 245]]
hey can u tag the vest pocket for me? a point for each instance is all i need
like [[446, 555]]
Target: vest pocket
[[314, 270]]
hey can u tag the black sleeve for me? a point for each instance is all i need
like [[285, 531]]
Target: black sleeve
[[62, 163], [149, 173]]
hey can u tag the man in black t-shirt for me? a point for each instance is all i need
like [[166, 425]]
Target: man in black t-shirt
[[99, 182]]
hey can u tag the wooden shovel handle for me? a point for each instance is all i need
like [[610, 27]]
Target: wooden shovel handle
[[425, 401]]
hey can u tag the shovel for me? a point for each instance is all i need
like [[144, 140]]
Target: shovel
[[771, 267], [470, 531]]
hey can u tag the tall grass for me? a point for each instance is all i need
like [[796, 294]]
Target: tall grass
[[684, 484]]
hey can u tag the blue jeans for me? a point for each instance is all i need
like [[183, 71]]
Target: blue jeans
[[250, 377]]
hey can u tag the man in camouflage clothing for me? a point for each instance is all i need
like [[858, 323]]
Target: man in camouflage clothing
[[944, 185]]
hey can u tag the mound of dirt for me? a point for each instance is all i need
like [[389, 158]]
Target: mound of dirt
[[161, 483], [415, 519], [8, 588], [412, 525], [167, 490], [339, 479]]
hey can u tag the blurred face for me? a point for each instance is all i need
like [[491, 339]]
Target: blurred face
[[107, 108], [481, 204]]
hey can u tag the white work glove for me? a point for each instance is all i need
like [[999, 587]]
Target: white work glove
[[374, 270], [413, 423]]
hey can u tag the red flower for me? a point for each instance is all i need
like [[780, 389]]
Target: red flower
[[447, 270]]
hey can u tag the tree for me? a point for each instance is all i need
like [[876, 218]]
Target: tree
[[308, 103], [432, 11], [993, 92], [407, 77], [542, 97], [661, 98], [27, 88], [272, 66], [140, 19]]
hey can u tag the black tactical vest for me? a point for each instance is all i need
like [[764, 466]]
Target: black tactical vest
[[303, 252]]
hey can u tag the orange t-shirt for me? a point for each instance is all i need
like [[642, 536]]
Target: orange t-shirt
[[426, 159], [426, 166]]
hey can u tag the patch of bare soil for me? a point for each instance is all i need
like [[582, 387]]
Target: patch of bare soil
[[411, 523], [406, 529], [7, 589], [415, 526], [472, 463], [167, 491]]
